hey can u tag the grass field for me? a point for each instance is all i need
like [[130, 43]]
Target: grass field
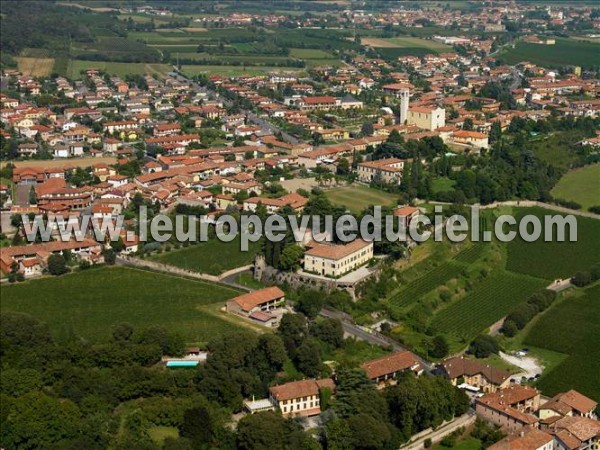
[[358, 197], [90, 303], [490, 300], [74, 162], [213, 256], [571, 327], [550, 260], [581, 186], [115, 68], [235, 70], [35, 67], [564, 52], [309, 53]]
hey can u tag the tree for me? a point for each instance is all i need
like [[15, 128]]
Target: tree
[[495, 132], [262, 431], [118, 246], [338, 435], [439, 347], [468, 124], [343, 167], [483, 346], [329, 331], [122, 332], [32, 196], [293, 331], [308, 358], [368, 433], [310, 303], [367, 129], [290, 257], [198, 427], [57, 265], [110, 257], [395, 138]]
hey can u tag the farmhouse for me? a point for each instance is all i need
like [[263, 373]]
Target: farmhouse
[[335, 260], [470, 138], [580, 433], [526, 438], [299, 398], [482, 376], [383, 371], [388, 170], [510, 408], [258, 304], [570, 403]]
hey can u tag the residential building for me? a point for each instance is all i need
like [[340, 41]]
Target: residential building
[[527, 438], [581, 433], [388, 171], [570, 403], [257, 305], [299, 398], [510, 408], [384, 370], [335, 260], [484, 377]]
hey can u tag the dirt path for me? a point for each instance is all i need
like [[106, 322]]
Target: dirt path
[[530, 367]]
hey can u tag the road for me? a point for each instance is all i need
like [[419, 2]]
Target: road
[[371, 336], [437, 435], [253, 117]]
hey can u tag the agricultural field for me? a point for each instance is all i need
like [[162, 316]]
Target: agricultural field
[[357, 197], [116, 68], [69, 163], [571, 327], [36, 67], [98, 299], [213, 256], [406, 42], [490, 300], [550, 260], [421, 286], [309, 53], [564, 52], [581, 186], [191, 70]]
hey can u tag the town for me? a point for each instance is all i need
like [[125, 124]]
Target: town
[[200, 110]]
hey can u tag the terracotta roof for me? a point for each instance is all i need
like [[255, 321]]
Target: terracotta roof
[[569, 441], [405, 211], [296, 389], [459, 366], [395, 362], [319, 100], [576, 401], [256, 298], [580, 427], [525, 439], [336, 251]]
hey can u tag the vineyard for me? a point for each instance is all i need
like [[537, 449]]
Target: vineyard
[[425, 284], [490, 300], [472, 254]]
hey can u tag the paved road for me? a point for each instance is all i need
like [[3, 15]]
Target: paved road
[[437, 435], [373, 337], [254, 118]]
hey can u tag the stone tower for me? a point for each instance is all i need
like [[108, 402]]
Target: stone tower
[[404, 100]]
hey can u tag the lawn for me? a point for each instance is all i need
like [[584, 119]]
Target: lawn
[[358, 197], [213, 256], [550, 260], [468, 443], [571, 327], [90, 303], [564, 52], [442, 184], [581, 186]]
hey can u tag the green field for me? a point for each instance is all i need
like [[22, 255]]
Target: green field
[[234, 70], [213, 256], [581, 186], [550, 260], [115, 68], [358, 197], [571, 327], [309, 53], [564, 52], [90, 303], [493, 298]]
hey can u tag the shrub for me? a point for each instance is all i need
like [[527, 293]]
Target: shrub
[[582, 278]]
